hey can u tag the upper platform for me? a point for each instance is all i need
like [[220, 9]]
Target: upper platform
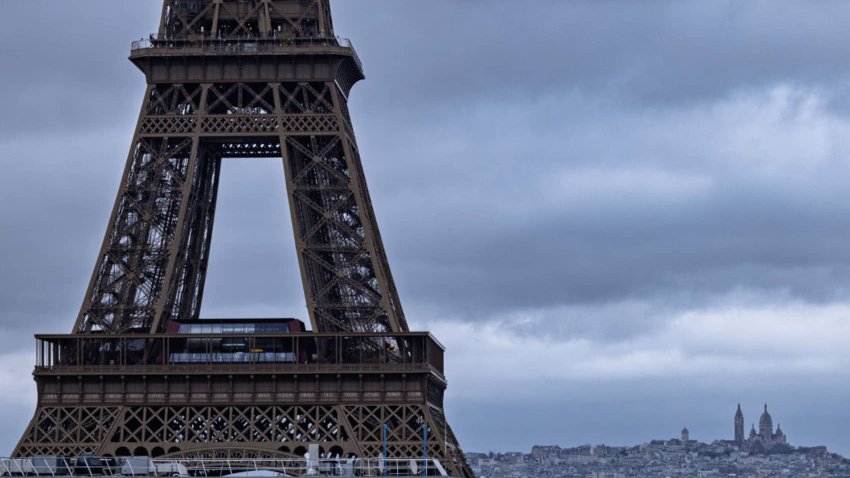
[[199, 58], [205, 347], [154, 46]]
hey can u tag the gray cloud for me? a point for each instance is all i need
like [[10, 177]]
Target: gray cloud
[[654, 53], [611, 174]]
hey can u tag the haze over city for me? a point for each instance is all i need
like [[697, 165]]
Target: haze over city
[[620, 218]]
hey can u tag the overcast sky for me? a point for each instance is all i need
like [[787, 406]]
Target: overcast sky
[[621, 218]]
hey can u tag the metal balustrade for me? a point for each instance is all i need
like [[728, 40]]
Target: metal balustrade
[[94, 466], [238, 352], [240, 45]]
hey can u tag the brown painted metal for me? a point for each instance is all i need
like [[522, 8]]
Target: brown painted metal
[[335, 391], [234, 79], [243, 78]]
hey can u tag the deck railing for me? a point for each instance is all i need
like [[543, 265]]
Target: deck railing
[[93, 466], [240, 45], [415, 351]]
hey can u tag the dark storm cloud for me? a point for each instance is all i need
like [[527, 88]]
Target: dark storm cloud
[[533, 218], [585, 176], [654, 53], [561, 85]]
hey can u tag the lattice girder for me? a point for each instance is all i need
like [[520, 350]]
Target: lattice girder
[[235, 19], [128, 281], [191, 431], [155, 257]]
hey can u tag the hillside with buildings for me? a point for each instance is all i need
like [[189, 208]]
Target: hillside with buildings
[[765, 452]]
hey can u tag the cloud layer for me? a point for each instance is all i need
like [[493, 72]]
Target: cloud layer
[[620, 219]]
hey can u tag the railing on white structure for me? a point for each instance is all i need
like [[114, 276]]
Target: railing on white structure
[[92, 466]]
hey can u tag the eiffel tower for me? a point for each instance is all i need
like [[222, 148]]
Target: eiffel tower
[[141, 373]]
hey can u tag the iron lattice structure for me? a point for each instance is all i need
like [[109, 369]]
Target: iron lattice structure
[[241, 79]]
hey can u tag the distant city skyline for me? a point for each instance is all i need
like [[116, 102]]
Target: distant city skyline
[[671, 458], [765, 453], [762, 433]]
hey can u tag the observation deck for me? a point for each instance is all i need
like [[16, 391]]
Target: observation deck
[[204, 353], [261, 49], [241, 364]]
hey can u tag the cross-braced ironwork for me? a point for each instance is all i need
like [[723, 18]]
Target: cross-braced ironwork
[[241, 79]]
